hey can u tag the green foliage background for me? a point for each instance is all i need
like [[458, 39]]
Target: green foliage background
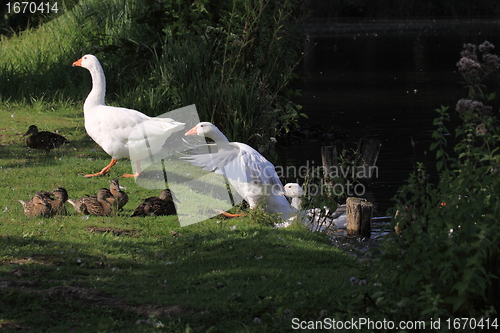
[[233, 59], [444, 260]]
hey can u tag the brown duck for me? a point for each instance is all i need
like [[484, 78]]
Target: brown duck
[[156, 206], [37, 206], [57, 200], [44, 140], [121, 198], [100, 205]]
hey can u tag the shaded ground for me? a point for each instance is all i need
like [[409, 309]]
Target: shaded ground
[[93, 296]]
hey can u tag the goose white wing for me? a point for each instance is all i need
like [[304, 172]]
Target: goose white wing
[[124, 132], [200, 149], [149, 136], [242, 163]]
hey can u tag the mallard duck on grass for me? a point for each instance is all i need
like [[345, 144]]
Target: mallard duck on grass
[[57, 200], [44, 140], [100, 205], [46, 204], [37, 206], [156, 206], [120, 196]]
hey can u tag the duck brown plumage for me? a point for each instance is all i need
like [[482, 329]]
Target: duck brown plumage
[[120, 196], [156, 206], [57, 200], [44, 140], [37, 206], [100, 205]]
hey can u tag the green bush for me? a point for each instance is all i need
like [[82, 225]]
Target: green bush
[[444, 262]]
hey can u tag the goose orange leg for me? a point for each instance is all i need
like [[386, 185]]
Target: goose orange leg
[[105, 170], [137, 171], [226, 214]]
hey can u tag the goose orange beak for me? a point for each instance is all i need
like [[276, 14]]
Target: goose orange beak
[[192, 131], [78, 62]]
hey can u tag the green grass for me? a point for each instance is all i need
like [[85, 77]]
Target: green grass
[[102, 274], [162, 55]]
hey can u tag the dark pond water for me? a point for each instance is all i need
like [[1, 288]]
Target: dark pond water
[[382, 79]]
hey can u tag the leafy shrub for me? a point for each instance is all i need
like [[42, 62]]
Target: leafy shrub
[[234, 60], [444, 263]]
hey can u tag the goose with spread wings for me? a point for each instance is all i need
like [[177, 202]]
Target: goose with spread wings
[[249, 173]]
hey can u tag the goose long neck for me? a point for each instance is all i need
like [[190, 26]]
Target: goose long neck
[[96, 95], [296, 203], [221, 140]]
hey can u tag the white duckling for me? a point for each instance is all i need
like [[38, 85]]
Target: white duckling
[[295, 192], [314, 218], [121, 132], [250, 173]]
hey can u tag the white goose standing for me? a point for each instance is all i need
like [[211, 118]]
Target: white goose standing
[[250, 173], [121, 132]]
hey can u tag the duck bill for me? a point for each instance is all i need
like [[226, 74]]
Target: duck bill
[[78, 62], [192, 131]]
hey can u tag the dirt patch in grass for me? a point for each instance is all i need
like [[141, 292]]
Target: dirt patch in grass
[[8, 325], [114, 231], [37, 259], [94, 296], [98, 298]]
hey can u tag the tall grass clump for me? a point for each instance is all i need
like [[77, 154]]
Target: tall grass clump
[[234, 59], [37, 62], [236, 67], [444, 260]]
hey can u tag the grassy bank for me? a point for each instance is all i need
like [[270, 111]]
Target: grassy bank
[[233, 59], [79, 274]]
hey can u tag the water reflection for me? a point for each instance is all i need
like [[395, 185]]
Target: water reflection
[[382, 79]]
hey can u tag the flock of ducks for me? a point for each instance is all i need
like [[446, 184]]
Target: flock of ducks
[[105, 203], [127, 133]]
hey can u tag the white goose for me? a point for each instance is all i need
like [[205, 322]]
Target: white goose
[[121, 132], [313, 218], [295, 191], [250, 173]]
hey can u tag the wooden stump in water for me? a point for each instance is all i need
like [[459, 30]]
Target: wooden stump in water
[[368, 150], [329, 160], [366, 159], [359, 213], [330, 164]]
